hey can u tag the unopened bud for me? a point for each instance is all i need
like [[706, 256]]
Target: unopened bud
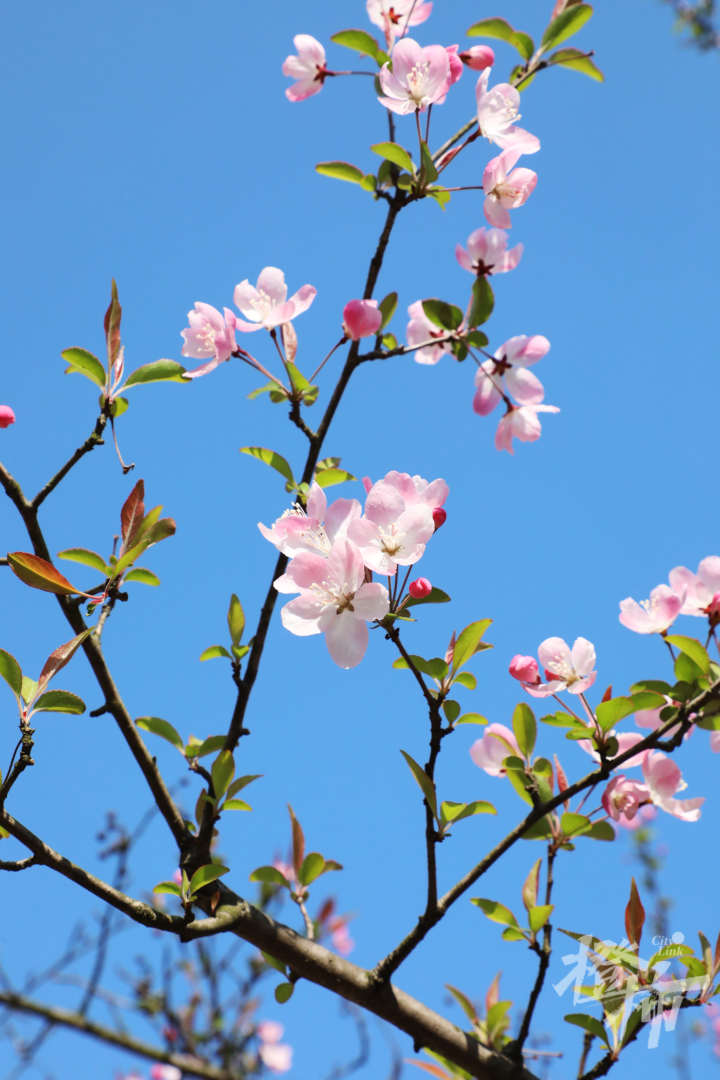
[[7, 416], [478, 57], [439, 517], [420, 588], [524, 669]]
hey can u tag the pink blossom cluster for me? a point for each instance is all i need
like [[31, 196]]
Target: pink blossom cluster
[[274, 1054], [687, 594], [157, 1072], [335, 549]]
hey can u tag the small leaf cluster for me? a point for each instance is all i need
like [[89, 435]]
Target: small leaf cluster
[[537, 914], [236, 626], [31, 695], [306, 868], [188, 890], [449, 812], [326, 475]]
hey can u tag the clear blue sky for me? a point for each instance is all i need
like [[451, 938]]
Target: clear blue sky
[[153, 143]]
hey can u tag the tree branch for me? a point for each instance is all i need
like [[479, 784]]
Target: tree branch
[[96, 439]]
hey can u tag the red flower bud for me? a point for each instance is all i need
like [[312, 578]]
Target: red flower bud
[[7, 416], [439, 517], [420, 588]]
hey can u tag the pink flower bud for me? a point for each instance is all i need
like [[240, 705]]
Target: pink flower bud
[[713, 608], [361, 318], [478, 57], [439, 517], [7, 416], [420, 588], [524, 669], [177, 877]]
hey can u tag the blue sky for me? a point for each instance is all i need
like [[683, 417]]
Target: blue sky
[[153, 143]]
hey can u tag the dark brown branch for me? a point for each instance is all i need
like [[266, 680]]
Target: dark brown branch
[[96, 439], [20, 864], [516, 1047]]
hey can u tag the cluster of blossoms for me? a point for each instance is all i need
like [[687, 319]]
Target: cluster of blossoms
[[687, 594], [157, 1072], [334, 551], [274, 1054]]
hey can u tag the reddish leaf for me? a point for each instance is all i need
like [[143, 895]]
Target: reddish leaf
[[58, 659], [298, 839], [38, 574], [112, 326], [634, 916], [132, 514], [530, 888], [493, 995], [561, 779], [607, 696]]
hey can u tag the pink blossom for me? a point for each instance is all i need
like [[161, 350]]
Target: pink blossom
[[497, 743], [439, 517], [454, 73], [415, 491], [308, 67], [701, 589], [275, 1056], [487, 252], [497, 109], [520, 423], [210, 337], [626, 740], [266, 305], [314, 529], [508, 372], [478, 57], [177, 876], [334, 600], [505, 189], [622, 798], [653, 616], [165, 1072], [419, 588], [395, 16], [664, 779], [420, 329], [565, 668], [341, 940], [525, 669], [393, 531], [419, 77], [7, 416], [714, 741], [361, 318]]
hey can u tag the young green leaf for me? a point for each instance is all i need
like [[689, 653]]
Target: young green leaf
[[239, 651], [340, 170], [601, 830], [395, 153], [610, 713], [497, 912], [566, 25], [483, 302], [223, 770], [435, 596], [425, 783], [524, 728], [589, 1023], [29, 689], [312, 867], [466, 679], [471, 718], [236, 620], [501, 28], [428, 165], [206, 874], [61, 701], [214, 651], [84, 363], [465, 1004], [11, 672], [167, 887], [510, 933], [273, 963], [358, 40], [692, 648], [634, 916], [538, 916], [268, 875], [157, 371], [446, 316], [283, 992], [235, 804], [575, 824], [451, 710], [87, 558], [39, 574], [329, 477], [163, 729], [142, 576], [240, 783], [387, 308], [576, 60], [470, 642], [559, 719], [530, 888], [269, 457]]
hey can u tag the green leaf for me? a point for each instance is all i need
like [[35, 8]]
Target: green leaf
[[167, 887], [446, 316], [477, 339], [610, 713], [214, 651], [540, 830], [466, 679], [435, 596], [387, 308], [158, 371], [451, 710], [575, 824], [576, 60], [538, 916], [465, 1004], [530, 888], [654, 685], [11, 672], [29, 689], [298, 380], [223, 770], [340, 170], [646, 699], [87, 558], [209, 746], [559, 719], [312, 867], [437, 668], [271, 386], [39, 574], [669, 952], [428, 165], [471, 718], [329, 477], [357, 40], [273, 963], [470, 642], [84, 363], [511, 934], [60, 701], [235, 804], [368, 183], [692, 648], [236, 620], [451, 811], [500, 28], [206, 874], [283, 992], [161, 728], [601, 830], [142, 576], [483, 302], [118, 406], [389, 341], [269, 876], [441, 196], [240, 783], [524, 728], [497, 912], [589, 1023], [426, 785], [239, 651], [394, 152], [566, 25], [269, 457]]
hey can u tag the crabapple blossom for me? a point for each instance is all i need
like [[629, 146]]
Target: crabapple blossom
[[565, 668], [275, 1056], [509, 371], [308, 67], [393, 16], [506, 187], [496, 111], [334, 600], [497, 743], [520, 423], [419, 588], [7, 416], [664, 780], [524, 669], [314, 529], [454, 72], [266, 305], [165, 1072], [210, 337], [622, 798], [487, 252], [416, 491], [702, 590], [394, 529], [478, 57], [653, 616], [361, 318], [340, 938], [421, 329], [419, 77]]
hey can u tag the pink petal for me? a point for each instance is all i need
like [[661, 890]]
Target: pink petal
[[371, 601], [301, 616], [347, 640]]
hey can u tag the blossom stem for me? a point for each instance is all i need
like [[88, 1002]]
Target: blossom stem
[[669, 647], [273, 335], [471, 187], [419, 133], [427, 125], [402, 590], [317, 371], [407, 20], [372, 73], [567, 708], [455, 138], [259, 367]]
